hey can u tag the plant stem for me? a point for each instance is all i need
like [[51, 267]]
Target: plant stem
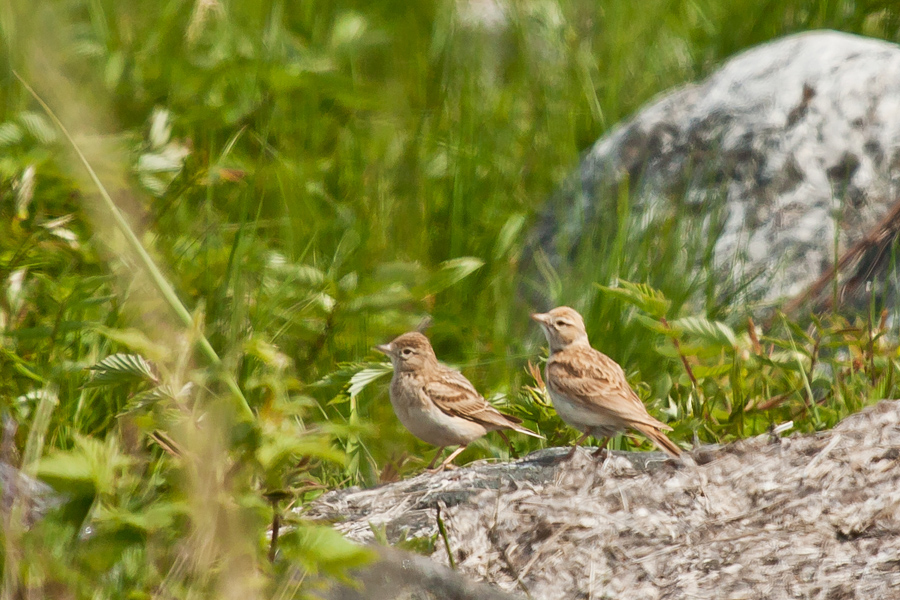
[[159, 280]]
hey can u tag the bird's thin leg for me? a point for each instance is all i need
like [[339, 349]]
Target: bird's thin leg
[[576, 444], [436, 455], [601, 448], [512, 451], [450, 458]]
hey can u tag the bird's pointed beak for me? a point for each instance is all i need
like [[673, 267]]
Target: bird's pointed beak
[[542, 318], [384, 349]]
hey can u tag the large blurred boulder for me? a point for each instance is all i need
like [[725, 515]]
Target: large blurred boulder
[[797, 142]]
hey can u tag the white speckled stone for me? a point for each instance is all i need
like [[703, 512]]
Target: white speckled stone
[[792, 133]]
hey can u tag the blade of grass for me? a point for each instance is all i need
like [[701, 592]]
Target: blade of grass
[[156, 275]]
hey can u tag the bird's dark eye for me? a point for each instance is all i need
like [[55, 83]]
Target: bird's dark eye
[[406, 351], [560, 323]]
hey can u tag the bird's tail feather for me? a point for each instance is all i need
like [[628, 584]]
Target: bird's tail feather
[[521, 429], [506, 421], [659, 438]]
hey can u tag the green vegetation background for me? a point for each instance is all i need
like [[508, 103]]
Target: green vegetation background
[[313, 178]]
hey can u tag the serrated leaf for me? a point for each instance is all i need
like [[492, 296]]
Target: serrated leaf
[[10, 134], [508, 234], [700, 350], [650, 300], [385, 298], [346, 247], [25, 192], [788, 360], [348, 282], [713, 332], [122, 368], [704, 372], [363, 378], [157, 170], [406, 273], [552, 288], [160, 127], [448, 273], [342, 374], [302, 274], [656, 326], [154, 395], [159, 162], [267, 352], [341, 398], [38, 127]]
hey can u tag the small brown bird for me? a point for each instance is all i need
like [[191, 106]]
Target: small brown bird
[[437, 404], [589, 389]]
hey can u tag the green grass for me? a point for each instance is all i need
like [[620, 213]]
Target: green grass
[[311, 179]]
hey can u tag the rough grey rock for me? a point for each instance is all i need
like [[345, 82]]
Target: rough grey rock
[[398, 575], [411, 511], [797, 140], [813, 516], [36, 496]]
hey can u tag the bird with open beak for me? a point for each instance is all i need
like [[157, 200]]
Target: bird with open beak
[[437, 404], [589, 389]]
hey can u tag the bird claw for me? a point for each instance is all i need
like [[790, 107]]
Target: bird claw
[[449, 467], [602, 451]]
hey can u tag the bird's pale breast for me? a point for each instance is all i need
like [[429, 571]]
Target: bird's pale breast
[[426, 421], [578, 416]]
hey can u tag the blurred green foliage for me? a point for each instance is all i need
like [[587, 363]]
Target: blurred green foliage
[[315, 178]]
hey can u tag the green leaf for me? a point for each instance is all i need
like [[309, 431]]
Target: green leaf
[[704, 372], [342, 375], [508, 234], [135, 340], [449, 273], [154, 517], [552, 282], [10, 134], [277, 450], [267, 352], [700, 350], [348, 30], [797, 330], [38, 127], [305, 275], [789, 360], [393, 295], [68, 472], [363, 378], [319, 547], [101, 551], [122, 368], [712, 332], [155, 394], [656, 326], [641, 295]]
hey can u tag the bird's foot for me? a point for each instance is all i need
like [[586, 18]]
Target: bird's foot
[[447, 467], [567, 456], [600, 452]]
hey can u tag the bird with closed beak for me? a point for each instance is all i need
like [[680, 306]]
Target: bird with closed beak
[[437, 404], [589, 390]]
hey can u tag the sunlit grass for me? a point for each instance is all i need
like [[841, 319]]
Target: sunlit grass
[[314, 178]]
